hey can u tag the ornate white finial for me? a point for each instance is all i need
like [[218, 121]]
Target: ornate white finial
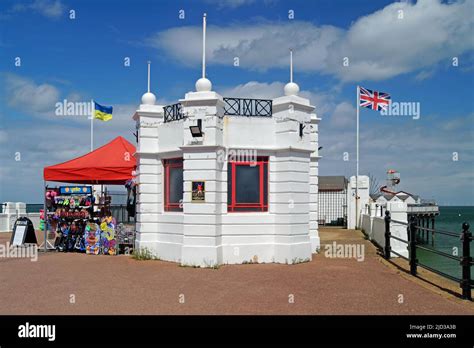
[[148, 98], [291, 88], [203, 84]]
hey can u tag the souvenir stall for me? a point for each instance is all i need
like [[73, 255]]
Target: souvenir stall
[[78, 218]]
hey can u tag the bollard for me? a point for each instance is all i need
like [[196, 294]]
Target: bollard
[[466, 238], [413, 260], [387, 248]]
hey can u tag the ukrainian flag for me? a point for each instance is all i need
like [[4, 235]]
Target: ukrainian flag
[[103, 113]]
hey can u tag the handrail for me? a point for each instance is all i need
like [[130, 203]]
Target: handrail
[[401, 240], [465, 260], [442, 253], [399, 222], [453, 278], [444, 232]]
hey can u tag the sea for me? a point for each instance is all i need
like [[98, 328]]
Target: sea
[[450, 219]]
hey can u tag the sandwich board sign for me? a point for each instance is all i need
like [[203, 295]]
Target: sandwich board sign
[[23, 232]]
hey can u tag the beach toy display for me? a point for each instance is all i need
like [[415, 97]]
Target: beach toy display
[[92, 239]]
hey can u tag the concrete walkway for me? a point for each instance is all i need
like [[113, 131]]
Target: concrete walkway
[[60, 283]]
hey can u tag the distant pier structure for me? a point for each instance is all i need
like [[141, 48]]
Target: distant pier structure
[[424, 211]]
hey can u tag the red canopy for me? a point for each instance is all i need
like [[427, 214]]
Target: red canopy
[[110, 164]]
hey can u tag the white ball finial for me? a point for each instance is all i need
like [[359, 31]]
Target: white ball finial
[[148, 99], [203, 85], [291, 88]]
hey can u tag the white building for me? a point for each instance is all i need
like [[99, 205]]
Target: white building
[[242, 189], [332, 200], [400, 196]]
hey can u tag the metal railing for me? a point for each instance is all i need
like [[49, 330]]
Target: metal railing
[[173, 112], [465, 261], [248, 107], [233, 107]]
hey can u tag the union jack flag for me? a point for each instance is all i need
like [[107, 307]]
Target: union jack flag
[[373, 100]]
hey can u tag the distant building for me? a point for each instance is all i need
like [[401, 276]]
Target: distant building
[[400, 196], [332, 200]]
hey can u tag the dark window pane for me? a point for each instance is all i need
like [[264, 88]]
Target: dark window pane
[[176, 184], [265, 184], [247, 184], [229, 183]]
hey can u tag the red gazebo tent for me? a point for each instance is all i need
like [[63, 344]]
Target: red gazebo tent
[[111, 164]]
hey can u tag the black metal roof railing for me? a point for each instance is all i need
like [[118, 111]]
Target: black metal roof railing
[[233, 107], [248, 107], [173, 112]]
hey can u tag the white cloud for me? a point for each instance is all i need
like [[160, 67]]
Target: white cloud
[[379, 45], [3, 136], [343, 115], [47, 8], [255, 89], [424, 74], [25, 94]]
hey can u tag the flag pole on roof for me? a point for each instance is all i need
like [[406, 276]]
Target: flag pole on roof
[[204, 46], [203, 84]]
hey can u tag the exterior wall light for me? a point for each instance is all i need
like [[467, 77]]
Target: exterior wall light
[[196, 131]]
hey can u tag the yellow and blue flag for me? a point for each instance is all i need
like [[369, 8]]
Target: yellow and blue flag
[[103, 113]]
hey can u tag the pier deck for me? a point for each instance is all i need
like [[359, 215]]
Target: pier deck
[[121, 285]]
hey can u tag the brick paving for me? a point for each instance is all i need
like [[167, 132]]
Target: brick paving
[[121, 285]]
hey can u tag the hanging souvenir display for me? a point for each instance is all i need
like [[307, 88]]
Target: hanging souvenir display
[[78, 221], [92, 239], [107, 236]]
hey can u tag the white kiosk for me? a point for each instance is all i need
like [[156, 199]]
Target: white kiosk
[[227, 180]]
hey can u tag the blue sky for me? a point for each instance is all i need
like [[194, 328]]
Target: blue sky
[[409, 57]]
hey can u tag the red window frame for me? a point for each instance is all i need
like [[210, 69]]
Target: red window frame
[[238, 207], [167, 164]]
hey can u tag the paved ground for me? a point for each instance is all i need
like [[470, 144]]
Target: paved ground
[[121, 285]]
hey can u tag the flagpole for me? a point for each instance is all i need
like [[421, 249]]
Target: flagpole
[[92, 124], [357, 162], [204, 46]]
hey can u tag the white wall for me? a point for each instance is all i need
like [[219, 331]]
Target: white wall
[[374, 227], [364, 198], [12, 211]]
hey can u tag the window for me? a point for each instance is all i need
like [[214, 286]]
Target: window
[[247, 185], [173, 174]]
